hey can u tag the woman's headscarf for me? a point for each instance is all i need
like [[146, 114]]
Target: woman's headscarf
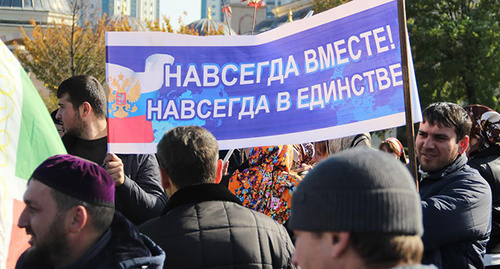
[[303, 154], [485, 127], [267, 185], [395, 146]]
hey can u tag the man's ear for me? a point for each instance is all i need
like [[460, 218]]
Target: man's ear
[[85, 109], [77, 218], [165, 180], [340, 243], [463, 144], [218, 176]]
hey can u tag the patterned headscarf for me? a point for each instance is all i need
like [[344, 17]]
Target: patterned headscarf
[[397, 145], [267, 185], [303, 154], [485, 127]]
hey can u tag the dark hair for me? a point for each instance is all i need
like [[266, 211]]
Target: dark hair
[[382, 248], [449, 115], [385, 248], [84, 88], [394, 147], [101, 216], [189, 155]]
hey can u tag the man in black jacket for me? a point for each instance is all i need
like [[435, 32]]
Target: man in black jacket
[[456, 200], [82, 109], [70, 216], [204, 225], [357, 209], [484, 155]]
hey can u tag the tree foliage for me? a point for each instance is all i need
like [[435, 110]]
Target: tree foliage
[[48, 55], [456, 50], [60, 50]]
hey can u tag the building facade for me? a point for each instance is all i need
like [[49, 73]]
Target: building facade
[[214, 7], [144, 10], [15, 14]]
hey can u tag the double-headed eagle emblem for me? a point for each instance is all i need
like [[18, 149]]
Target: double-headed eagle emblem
[[122, 95]]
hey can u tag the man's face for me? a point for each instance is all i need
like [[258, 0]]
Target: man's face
[[70, 117], [312, 251], [437, 146], [44, 223]]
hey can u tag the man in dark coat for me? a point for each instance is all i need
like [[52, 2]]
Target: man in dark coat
[[82, 109], [456, 200], [484, 155], [70, 216], [204, 225], [358, 209]]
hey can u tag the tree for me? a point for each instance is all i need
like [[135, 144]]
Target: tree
[[456, 50], [52, 56], [60, 50]]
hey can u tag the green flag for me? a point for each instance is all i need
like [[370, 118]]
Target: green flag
[[27, 137]]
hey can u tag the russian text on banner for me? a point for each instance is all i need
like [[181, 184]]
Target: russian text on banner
[[27, 137], [331, 75]]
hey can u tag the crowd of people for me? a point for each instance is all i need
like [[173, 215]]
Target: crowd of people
[[329, 204]]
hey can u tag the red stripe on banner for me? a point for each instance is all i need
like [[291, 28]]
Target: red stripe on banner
[[18, 237], [130, 130]]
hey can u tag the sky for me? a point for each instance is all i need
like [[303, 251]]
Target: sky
[[176, 8]]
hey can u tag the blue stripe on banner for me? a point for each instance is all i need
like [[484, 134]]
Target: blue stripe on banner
[[353, 64]]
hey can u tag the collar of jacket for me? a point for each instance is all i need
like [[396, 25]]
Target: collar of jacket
[[200, 193], [459, 162], [126, 236], [89, 257], [121, 242]]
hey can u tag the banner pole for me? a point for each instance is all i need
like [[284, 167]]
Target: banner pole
[[406, 86]]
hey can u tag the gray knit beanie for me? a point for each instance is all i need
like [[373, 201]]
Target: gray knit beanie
[[358, 190]]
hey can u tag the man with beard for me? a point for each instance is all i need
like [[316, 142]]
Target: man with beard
[[70, 216], [82, 110], [456, 200]]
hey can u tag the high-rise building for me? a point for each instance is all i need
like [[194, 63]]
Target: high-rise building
[[144, 10], [215, 7]]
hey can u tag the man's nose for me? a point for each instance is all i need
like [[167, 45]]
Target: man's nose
[[23, 219], [58, 115], [429, 143]]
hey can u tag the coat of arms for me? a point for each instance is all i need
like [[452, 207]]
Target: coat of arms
[[122, 95]]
